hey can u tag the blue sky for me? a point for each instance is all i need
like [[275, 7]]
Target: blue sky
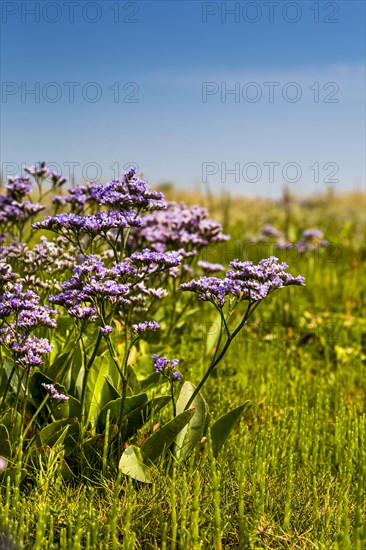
[[241, 96]]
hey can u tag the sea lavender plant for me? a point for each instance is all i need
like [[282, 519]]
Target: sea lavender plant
[[244, 282]]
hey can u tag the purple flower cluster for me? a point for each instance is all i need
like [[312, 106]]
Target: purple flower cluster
[[311, 238], [28, 350], [24, 307], [52, 257], [106, 329], [166, 367], [128, 193], [208, 267], [269, 230], [77, 198], [245, 281], [156, 259], [180, 227], [22, 314], [41, 172], [91, 224], [91, 282], [7, 275], [13, 208], [54, 394], [146, 326], [122, 285]]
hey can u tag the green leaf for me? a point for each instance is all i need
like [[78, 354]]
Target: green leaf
[[13, 423], [52, 433], [67, 409], [212, 334], [154, 379], [8, 366], [114, 393], [65, 471], [55, 371], [221, 429], [97, 393], [132, 463], [5, 447], [160, 440], [131, 403], [133, 383], [188, 438], [137, 418]]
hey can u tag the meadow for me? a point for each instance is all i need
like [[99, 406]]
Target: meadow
[[104, 446]]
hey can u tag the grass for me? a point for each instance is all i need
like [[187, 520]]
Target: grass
[[293, 475]]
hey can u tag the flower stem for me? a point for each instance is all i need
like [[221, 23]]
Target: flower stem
[[216, 360]]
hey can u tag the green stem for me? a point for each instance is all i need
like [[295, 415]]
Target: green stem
[[215, 360], [173, 400], [34, 416]]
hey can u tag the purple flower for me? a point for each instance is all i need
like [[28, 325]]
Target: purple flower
[[166, 367], [40, 171], [107, 329], [270, 231], [78, 197], [180, 226], [54, 395], [211, 289], [283, 245], [245, 281], [210, 267], [91, 224], [130, 192], [158, 259], [312, 234], [28, 350], [24, 306], [146, 326]]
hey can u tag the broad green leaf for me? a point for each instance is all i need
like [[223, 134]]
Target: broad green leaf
[[75, 373], [133, 383], [212, 334], [114, 393], [5, 447], [132, 464], [160, 440], [137, 418], [154, 379], [8, 367], [97, 393], [65, 471], [51, 433], [56, 370], [131, 403], [221, 429], [13, 423], [192, 434], [67, 409]]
